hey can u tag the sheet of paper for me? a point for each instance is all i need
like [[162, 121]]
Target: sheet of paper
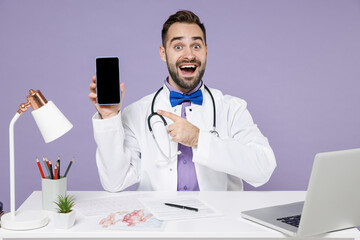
[[119, 213], [101, 206], [164, 212]]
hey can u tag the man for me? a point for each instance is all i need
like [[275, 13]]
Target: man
[[196, 158]]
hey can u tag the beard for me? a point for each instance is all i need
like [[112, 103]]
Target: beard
[[174, 73]]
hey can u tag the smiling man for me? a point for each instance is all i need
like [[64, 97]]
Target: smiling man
[[210, 142], [185, 52]]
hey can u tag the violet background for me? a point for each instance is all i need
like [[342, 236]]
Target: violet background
[[296, 63]]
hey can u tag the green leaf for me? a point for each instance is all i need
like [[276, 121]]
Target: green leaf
[[65, 203]]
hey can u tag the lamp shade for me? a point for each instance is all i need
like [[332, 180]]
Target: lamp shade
[[51, 122]]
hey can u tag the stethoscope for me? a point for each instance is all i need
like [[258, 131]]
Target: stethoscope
[[169, 156]]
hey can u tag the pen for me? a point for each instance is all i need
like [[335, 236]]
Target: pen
[[181, 206], [67, 170], [41, 171]]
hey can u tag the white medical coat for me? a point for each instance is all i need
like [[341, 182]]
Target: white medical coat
[[127, 153]]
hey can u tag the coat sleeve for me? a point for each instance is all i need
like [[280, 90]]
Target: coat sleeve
[[117, 156], [245, 154]]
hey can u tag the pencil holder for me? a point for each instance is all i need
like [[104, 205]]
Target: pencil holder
[[51, 189]]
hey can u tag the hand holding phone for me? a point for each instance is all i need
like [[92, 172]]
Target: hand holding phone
[[105, 110], [108, 81]]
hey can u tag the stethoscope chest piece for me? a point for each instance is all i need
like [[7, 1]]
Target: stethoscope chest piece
[[214, 132]]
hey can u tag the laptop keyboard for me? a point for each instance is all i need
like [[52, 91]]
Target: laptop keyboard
[[292, 220]]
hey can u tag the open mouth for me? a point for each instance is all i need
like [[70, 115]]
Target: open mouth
[[188, 69]]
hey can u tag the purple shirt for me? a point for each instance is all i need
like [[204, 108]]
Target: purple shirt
[[187, 180]]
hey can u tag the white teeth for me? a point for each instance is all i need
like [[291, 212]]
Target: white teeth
[[188, 66]]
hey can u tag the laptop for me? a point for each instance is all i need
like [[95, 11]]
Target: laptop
[[332, 200]]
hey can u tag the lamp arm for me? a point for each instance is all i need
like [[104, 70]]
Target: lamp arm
[[22, 108], [12, 164]]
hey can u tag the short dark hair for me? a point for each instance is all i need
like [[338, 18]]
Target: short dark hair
[[182, 16]]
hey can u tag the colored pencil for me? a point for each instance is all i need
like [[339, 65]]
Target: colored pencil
[[47, 161], [68, 168], [55, 173], [58, 166], [41, 171], [46, 166], [50, 168]]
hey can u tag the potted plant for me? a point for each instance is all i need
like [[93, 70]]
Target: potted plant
[[65, 216]]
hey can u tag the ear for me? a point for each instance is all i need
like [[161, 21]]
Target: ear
[[162, 53], [206, 50]]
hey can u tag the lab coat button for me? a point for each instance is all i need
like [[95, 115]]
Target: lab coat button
[[184, 162], [185, 187], [190, 109], [170, 169]]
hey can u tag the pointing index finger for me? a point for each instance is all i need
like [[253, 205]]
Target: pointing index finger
[[170, 115]]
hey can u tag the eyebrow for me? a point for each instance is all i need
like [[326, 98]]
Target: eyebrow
[[193, 38], [198, 38]]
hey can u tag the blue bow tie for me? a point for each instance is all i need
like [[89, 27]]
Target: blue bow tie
[[177, 98]]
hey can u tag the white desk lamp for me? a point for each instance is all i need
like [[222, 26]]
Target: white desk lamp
[[52, 124]]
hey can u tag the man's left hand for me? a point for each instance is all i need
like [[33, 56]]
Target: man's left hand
[[181, 130]]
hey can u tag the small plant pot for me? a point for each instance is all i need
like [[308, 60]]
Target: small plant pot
[[64, 220]]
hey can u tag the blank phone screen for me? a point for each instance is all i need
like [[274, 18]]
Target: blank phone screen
[[107, 80]]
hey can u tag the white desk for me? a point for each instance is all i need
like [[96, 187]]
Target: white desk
[[229, 226]]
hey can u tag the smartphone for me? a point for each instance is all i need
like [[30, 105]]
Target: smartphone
[[108, 80]]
